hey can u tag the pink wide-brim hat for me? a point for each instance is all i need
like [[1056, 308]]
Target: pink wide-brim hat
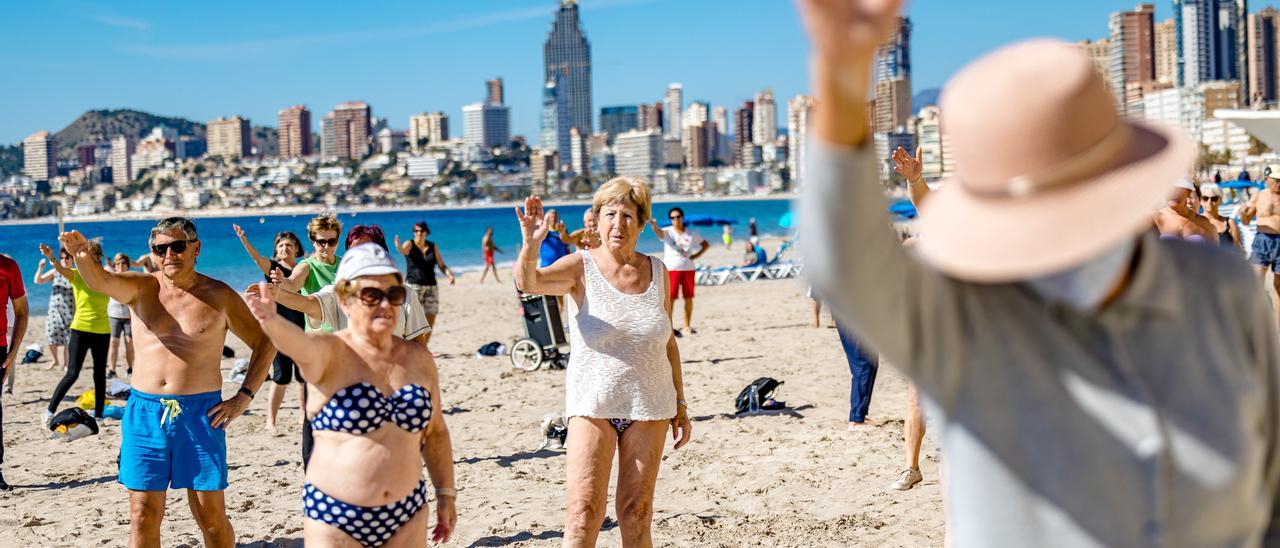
[[1048, 175]]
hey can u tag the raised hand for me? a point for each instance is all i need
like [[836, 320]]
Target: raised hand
[[74, 242], [277, 276], [239, 231], [48, 253], [907, 165], [397, 240], [534, 224], [261, 301], [848, 32]]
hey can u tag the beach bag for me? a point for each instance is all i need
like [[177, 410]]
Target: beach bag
[[752, 397], [87, 400], [113, 412], [492, 349], [70, 418], [33, 354]]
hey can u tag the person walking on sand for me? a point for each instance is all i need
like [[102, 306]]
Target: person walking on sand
[[377, 413], [90, 332], [488, 248], [681, 247], [12, 293], [62, 307], [1071, 408], [286, 252], [318, 270], [422, 258], [173, 434], [623, 388], [121, 325]]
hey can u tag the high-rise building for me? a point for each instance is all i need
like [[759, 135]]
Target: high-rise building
[[798, 110], [764, 127], [153, 151], [672, 110], [1209, 40], [720, 124], [1132, 49], [486, 125], [555, 118], [1100, 52], [934, 147], [893, 58], [85, 155], [697, 144], [1166, 52], [892, 105], [892, 84], [431, 126], [229, 137], [295, 132], [567, 58], [744, 148], [649, 116], [493, 91], [121, 160], [39, 156], [1263, 36], [544, 166], [580, 148], [617, 120], [638, 153], [347, 131]]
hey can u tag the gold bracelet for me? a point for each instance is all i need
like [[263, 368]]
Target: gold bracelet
[[446, 492]]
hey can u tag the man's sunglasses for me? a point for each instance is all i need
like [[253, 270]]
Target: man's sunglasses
[[331, 242], [178, 247], [372, 296]]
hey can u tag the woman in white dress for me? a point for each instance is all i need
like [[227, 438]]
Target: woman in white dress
[[623, 384]]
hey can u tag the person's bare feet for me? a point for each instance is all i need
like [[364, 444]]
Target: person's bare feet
[[271, 427], [866, 423]]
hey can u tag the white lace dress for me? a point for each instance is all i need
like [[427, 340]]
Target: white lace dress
[[618, 366]]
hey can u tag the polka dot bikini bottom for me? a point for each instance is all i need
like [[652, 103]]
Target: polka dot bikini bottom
[[369, 525]]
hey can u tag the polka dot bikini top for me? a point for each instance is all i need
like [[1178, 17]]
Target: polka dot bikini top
[[361, 408]]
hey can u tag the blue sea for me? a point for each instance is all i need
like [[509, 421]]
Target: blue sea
[[457, 232]]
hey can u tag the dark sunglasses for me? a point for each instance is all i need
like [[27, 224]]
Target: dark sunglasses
[[178, 247], [331, 242], [372, 296], [677, 216], [1213, 198]]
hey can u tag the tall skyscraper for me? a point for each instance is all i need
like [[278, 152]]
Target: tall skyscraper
[[720, 123], [639, 153], [935, 149], [743, 147], [39, 156], [121, 160], [672, 111], [649, 116], [580, 148], [892, 83], [493, 91], [798, 109], [764, 127], [1263, 34], [229, 137], [295, 132], [432, 126], [1209, 39], [544, 166], [555, 118], [567, 56], [615, 121], [1166, 40], [347, 130], [893, 59], [486, 125], [1132, 49], [1100, 52]]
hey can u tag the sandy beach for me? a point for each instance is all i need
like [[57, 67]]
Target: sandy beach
[[798, 478]]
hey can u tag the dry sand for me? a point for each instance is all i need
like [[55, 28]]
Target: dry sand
[[794, 479]]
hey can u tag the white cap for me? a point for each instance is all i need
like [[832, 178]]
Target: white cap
[[1185, 184], [367, 259], [1272, 171], [1211, 189], [754, 240]]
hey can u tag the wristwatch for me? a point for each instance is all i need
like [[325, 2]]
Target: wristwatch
[[245, 391]]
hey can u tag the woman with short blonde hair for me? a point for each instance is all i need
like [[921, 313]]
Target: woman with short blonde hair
[[623, 384]]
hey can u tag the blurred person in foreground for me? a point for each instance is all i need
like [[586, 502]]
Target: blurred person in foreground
[[1180, 217], [1087, 396]]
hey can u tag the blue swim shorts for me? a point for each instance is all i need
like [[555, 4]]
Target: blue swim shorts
[[166, 442], [1266, 251]]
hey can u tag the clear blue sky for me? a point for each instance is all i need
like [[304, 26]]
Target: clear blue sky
[[208, 59]]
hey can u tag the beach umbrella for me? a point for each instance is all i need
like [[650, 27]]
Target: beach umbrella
[[787, 220], [702, 220], [1238, 184], [903, 208]]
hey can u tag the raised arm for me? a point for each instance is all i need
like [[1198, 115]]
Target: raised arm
[[437, 453], [911, 169], [42, 276], [295, 280], [122, 286], [312, 351], [305, 304], [852, 255], [558, 279], [444, 269], [263, 263], [403, 247], [56, 264], [242, 323]]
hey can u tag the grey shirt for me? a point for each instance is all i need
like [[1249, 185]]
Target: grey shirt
[[1152, 422]]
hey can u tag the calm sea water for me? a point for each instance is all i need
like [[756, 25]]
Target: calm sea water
[[458, 233]]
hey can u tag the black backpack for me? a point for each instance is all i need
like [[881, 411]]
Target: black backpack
[[71, 417], [764, 387]]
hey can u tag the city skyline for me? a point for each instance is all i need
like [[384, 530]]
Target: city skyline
[[179, 66]]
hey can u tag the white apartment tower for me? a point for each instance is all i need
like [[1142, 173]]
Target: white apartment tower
[[764, 127], [39, 156]]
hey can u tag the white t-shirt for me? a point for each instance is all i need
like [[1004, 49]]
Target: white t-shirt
[[411, 323], [678, 248]]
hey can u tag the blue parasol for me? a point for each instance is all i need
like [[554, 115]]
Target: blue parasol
[[787, 220], [903, 208], [1237, 184], [702, 220]]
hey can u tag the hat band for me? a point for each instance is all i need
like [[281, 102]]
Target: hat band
[[1081, 166]]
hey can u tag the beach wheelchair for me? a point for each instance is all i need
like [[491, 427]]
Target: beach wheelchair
[[544, 335]]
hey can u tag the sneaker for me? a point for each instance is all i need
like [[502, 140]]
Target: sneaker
[[46, 418], [907, 479]]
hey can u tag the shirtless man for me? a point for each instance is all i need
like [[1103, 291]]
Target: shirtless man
[[1177, 220], [1265, 207], [587, 237], [173, 431]]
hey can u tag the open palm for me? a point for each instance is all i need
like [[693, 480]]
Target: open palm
[[907, 165], [534, 223]]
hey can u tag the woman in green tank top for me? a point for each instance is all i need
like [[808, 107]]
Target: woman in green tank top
[[320, 269]]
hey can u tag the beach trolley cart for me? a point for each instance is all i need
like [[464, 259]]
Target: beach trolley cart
[[545, 335]]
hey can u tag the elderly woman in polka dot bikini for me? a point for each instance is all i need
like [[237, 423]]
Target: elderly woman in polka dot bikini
[[371, 400]]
